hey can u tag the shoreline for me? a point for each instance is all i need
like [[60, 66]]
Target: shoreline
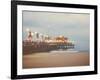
[[43, 60]]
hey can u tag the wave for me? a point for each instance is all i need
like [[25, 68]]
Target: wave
[[64, 51]]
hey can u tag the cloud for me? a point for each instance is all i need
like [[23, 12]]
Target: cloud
[[72, 25]]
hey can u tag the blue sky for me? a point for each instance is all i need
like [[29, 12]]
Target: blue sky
[[75, 26]]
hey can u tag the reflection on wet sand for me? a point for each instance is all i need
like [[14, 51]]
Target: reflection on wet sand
[[55, 59]]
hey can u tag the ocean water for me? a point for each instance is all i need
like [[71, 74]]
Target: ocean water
[[64, 51], [68, 51]]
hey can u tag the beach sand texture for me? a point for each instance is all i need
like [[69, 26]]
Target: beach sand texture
[[43, 60]]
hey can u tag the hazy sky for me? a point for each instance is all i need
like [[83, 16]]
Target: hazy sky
[[71, 25]]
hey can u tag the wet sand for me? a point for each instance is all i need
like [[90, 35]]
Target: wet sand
[[43, 60]]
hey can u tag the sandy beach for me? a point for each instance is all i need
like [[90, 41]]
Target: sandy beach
[[43, 60]]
